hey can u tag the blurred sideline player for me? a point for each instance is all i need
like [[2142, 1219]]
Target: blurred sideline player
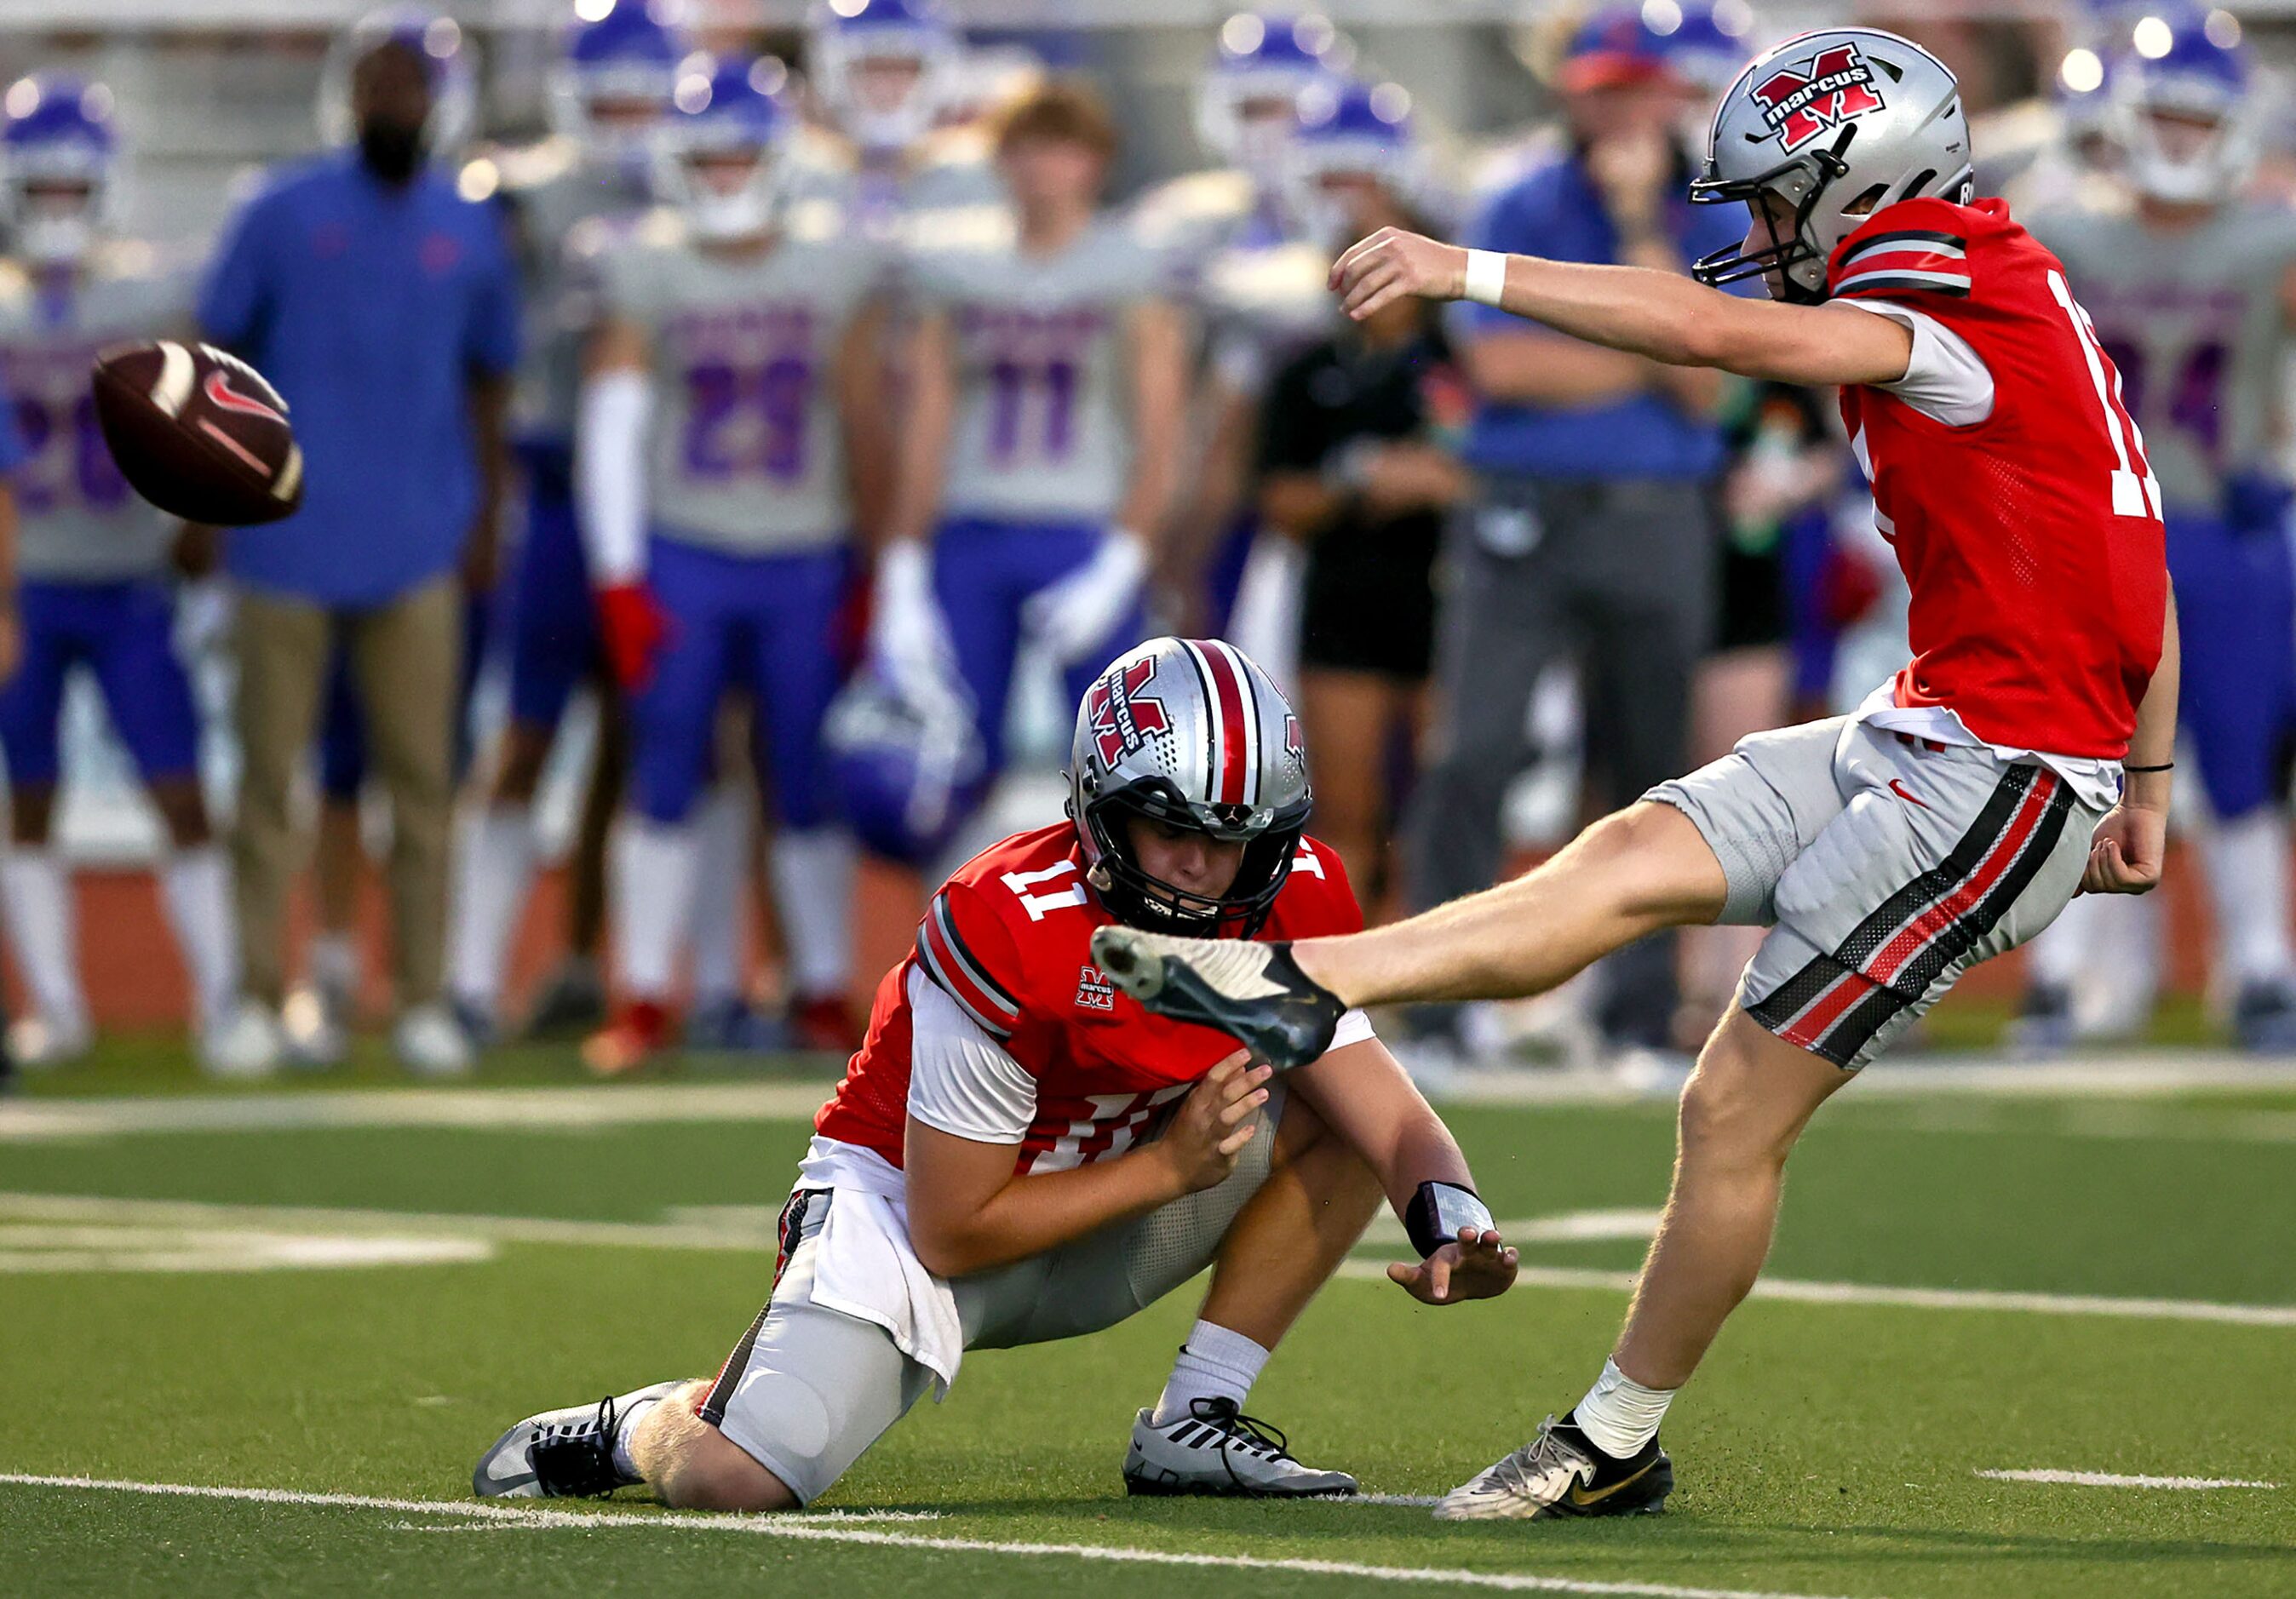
[[1019, 1154], [729, 404], [2193, 296], [2021, 756], [1254, 283], [1351, 471], [92, 590], [570, 200], [886, 74], [1046, 378]]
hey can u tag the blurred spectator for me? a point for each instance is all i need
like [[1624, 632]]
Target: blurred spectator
[[1351, 468], [385, 308], [1591, 533]]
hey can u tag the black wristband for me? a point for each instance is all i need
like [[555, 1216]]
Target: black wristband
[[2166, 766], [1438, 1211]]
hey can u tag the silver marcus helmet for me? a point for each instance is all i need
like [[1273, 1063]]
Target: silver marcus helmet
[[1190, 733], [1836, 124]]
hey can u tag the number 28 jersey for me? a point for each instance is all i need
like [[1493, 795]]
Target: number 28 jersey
[[1009, 939], [2031, 540], [746, 453], [80, 522]]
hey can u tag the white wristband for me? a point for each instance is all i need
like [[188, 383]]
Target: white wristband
[[1486, 282]]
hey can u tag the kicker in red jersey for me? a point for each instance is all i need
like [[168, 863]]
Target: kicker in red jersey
[[1009, 939], [2032, 541]]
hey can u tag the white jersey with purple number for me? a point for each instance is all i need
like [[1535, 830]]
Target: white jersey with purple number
[[2194, 322], [1043, 431], [747, 453], [78, 521]]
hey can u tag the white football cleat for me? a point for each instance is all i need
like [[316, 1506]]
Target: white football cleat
[[43, 1043], [562, 1454], [245, 1043], [431, 1043], [1217, 1449]]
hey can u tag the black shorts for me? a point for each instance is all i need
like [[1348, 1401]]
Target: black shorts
[[1751, 590], [1369, 599]]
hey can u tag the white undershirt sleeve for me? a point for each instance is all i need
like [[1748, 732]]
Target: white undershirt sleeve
[[962, 1081], [1945, 380], [617, 406]]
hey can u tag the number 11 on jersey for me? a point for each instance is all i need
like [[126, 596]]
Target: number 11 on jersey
[[2135, 492]]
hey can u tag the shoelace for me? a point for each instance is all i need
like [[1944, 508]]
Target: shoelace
[[1239, 1431], [1519, 1472], [575, 1459]]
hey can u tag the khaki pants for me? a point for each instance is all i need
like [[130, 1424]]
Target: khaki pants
[[405, 660]]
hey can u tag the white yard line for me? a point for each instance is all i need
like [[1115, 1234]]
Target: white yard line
[[731, 1234], [804, 1531], [1917, 1299], [2133, 1074], [41, 1119], [293, 1218], [2115, 1480]]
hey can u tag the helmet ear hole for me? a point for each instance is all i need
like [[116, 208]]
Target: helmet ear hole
[[1866, 202]]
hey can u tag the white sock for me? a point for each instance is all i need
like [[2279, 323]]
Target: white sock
[[813, 890], [721, 952], [195, 885], [626, 1426], [654, 868], [496, 874], [44, 926], [333, 963], [1619, 1415], [1214, 1364], [2247, 879]]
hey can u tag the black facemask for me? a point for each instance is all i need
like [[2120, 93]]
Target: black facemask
[[391, 151]]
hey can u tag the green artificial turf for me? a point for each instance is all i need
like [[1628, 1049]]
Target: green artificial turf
[[1827, 1448]]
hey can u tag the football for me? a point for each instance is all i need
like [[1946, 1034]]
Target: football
[[198, 432]]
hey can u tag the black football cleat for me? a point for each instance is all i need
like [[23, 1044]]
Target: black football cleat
[[560, 1453], [1561, 1473], [1255, 993]]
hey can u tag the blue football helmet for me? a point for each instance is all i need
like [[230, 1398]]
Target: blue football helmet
[[722, 111], [907, 777], [58, 160], [447, 52], [2181, 110], [1248, 101], [1708, 42], [610, 88], [1347, 130], [884, 67]]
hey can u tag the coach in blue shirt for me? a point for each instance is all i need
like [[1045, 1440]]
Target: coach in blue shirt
[[383, 307], [1590, 536]]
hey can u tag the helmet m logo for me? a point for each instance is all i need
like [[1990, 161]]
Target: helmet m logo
[[1122, 719], [1801, 102]]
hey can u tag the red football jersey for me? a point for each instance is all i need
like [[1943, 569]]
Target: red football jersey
[[2032, 540], [1009, 938]]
